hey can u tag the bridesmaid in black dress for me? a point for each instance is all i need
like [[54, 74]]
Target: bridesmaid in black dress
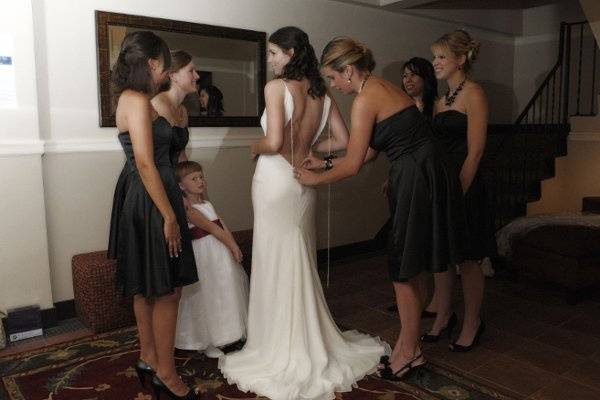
[[420, 83], [423, 196], [154, 252], [168, 104], [460, 123]]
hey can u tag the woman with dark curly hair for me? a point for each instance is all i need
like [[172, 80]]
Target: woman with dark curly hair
[[294, 349], [211, 100]]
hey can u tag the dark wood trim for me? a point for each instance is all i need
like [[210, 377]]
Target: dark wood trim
[[49, 317], [104, 19], [65, 309]]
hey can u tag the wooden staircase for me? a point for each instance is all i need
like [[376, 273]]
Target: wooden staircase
[[520, 156], [517, 159]]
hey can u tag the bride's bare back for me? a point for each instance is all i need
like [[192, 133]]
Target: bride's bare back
[[306, 120]]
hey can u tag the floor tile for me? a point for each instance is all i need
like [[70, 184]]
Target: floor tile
[[578, 343], [585, 324], [341, 307], [514, 375], [369, 321], [565, 389], [515, 324], [587, 373], [499, 340], [468, 361], [549, 358]]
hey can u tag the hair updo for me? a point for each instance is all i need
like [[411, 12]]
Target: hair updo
[[179, 59], [303, 63], [131, 71], [343, 51], [460, 43]]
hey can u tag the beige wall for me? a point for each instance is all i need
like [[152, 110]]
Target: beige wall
[[536, 50], [358, 209], [508, 21], [576, 177], [577, 173], [24, 267], [81, 161], [591, 8]]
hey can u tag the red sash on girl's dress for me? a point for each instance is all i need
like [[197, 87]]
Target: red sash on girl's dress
[[199, 233]]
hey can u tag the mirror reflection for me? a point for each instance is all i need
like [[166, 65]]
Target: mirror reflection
[[230, 63]]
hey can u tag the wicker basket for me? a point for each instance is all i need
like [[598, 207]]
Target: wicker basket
[[97, 301]]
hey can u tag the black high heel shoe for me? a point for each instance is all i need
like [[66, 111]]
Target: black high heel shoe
[[385, 361], [159, 388], [144, 372], [457, 348], [445, 331], [408, 368]]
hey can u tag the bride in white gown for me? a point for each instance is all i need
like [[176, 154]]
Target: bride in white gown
[[294, 349]]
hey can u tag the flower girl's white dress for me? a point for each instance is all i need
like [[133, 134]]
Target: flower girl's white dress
[[213, 311]]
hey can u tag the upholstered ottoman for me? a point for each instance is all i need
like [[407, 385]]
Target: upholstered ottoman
[[567, 255], [97, 301]]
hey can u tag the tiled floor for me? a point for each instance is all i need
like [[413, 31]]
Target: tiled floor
[[535, 345]]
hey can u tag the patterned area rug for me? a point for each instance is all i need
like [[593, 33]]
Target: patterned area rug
[[100, 368]]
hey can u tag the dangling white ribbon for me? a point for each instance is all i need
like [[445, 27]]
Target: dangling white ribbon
[[328, 185]]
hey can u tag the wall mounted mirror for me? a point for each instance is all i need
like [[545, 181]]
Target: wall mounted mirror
[[231, 64]]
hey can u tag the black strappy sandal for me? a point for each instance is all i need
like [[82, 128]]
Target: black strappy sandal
[[385, 361], [409, 367]]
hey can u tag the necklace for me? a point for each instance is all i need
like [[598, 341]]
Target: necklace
[[451, 97], [362, 84]]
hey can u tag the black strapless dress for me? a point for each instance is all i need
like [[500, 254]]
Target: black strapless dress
[[450, 128], [143, 263], [179, 141], [425, 198]]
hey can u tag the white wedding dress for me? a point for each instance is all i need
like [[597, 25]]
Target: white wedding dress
[[294, 349]]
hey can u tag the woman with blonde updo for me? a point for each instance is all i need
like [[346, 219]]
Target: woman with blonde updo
[[460, 123], [423, 196]]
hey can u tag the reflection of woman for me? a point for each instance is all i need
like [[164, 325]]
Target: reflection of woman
[[169, 104], [461, 123], [154, 249], [422, 193], [294, 349], [211, 101]]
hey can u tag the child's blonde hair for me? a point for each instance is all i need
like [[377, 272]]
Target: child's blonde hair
[[185, 168]]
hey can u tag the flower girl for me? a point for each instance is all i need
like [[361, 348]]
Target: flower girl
[[212, 312]]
